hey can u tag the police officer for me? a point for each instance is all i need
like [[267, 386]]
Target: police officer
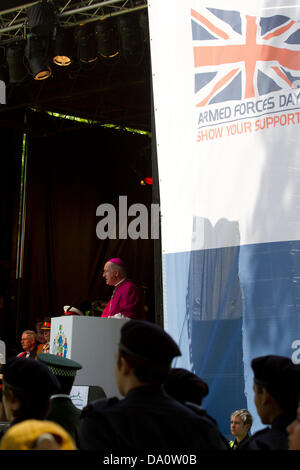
[[147, 419], [276, 395], [190, 389], [240, 425], [62, 410]]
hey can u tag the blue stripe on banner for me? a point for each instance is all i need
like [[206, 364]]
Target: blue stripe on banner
[[228, 305]]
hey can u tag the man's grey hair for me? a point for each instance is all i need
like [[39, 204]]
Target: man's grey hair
[[122, 269], [30, 333], [245, 416]]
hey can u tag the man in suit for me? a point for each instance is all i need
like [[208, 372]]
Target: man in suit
[[147, 419], [62, 410]]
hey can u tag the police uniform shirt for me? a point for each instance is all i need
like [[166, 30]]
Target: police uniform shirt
[[64, 412], [235, 445], [271, 438], [146, 419]]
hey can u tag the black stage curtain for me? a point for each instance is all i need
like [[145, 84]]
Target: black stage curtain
[[10, 164], [69, 175]]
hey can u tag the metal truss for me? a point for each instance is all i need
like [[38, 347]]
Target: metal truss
[[69, 13]]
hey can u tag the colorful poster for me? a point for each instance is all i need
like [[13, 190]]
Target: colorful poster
[[226, 86], [60, 341]]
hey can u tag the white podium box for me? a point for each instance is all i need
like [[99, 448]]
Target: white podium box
[[91, 341]]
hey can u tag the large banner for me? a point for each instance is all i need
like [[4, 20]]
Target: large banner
[[226, 83]]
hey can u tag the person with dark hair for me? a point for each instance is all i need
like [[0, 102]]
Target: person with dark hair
[[126, 300], [189, 389], [27, 387], [62, 410], [147, 419], [186, 386], [276, 396]]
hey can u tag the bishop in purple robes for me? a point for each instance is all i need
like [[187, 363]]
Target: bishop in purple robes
[[127, 300]]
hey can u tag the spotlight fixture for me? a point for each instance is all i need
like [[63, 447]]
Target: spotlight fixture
[[63, 47], [107, 38], [131, 38], [36, 52], [41, 18], [86, 44], [15, 61]]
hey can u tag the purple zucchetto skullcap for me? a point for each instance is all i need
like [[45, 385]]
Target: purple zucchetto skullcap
[[118, 261]]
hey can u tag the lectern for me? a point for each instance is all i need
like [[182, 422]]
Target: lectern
[[91, 341]]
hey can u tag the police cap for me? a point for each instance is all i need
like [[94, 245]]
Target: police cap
[[148, 342], [29, 375], [280, 376], [60, 366]]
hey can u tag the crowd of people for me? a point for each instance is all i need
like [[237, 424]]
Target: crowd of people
[[161, 409]]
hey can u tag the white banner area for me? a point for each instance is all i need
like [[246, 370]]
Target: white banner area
[[226, 84]]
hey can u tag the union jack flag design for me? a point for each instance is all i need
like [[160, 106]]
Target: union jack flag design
[[237, 56]]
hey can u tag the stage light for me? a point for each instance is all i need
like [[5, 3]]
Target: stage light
[[86, 44], [107, 38], [36, 52], [15, 60], [63, 47], [41, 18], [131, 38]]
